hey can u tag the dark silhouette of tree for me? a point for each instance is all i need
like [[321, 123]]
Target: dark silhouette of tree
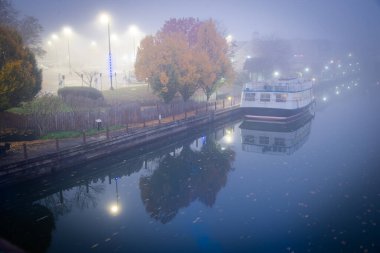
[[28, 27], [20, 78], [271, 54]]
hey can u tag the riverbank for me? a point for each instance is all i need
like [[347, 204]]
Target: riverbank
[[101, 146]]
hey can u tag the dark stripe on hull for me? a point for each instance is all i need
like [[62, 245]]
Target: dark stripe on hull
[[274, 114]]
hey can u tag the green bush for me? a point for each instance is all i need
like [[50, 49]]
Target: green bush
[[79, 91], [81, 98]]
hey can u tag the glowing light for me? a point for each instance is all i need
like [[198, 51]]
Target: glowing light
[[332, 61], [307, 69], [229, 98], [49, 43], [93, 43], [350, 55], [324, 99], [276, 74], [104, 18], [229, 38], [54, 36], [326, 67], [133, 30], [67, 30], [313, 79], [114, 209], [337, 92]]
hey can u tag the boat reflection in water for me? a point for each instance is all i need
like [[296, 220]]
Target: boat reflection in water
[[275, 138]]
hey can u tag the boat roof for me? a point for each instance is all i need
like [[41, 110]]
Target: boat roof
[[287, 79]]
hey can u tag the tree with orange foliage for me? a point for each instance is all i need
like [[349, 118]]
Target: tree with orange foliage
[[184, 55], [214, 66]]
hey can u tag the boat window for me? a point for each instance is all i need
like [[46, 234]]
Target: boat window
[[249, 139], [264, 140], [282, 97], [279, 142], [250, 96], [265, 97]]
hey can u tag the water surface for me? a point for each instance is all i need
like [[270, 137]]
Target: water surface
[[312, 186]]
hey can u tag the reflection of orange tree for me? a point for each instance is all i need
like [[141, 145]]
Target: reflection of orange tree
[[180, 180]]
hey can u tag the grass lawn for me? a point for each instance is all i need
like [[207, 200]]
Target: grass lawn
[[130, 94]]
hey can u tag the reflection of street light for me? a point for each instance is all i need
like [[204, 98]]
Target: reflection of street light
[[114, 208], [228, 137], [105, 19], [67, 32]]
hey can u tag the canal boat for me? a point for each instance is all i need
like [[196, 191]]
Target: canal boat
[[277, 100], [275, 138]]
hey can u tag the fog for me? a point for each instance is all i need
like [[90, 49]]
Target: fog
[[320, 30]]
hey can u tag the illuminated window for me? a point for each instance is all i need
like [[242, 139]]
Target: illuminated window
[[250, 96], [265, 97], [281, 97]]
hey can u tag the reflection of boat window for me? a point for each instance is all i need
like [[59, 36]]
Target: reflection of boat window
[[264, 140], [250, 96], [274, 137], [265, 97], [282, 97]]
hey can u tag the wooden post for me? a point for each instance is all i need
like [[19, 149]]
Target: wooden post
[[173, 112], [84, 137], [25, 151], [57, 144], [107, 132]]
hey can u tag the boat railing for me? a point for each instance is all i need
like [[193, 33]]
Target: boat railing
[[278, 87]]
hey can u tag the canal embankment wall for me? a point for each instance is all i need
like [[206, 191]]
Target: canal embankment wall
[[40, 166]]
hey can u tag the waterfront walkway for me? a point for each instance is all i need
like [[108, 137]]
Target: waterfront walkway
[[22, 151]]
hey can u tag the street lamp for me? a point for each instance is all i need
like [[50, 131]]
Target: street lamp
[[67, 32], [105, 19], [134, 30]]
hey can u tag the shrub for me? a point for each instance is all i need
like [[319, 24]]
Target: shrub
[[75, 91], [81, 97]]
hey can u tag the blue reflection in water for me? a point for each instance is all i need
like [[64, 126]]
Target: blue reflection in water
[[308, 186]]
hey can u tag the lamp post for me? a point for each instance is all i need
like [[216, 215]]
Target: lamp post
[[67, 31], [133, 30], [105, 19]]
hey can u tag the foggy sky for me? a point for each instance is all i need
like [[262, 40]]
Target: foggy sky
[[355, 21]]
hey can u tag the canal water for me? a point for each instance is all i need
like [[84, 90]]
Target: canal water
[[309, 186]]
